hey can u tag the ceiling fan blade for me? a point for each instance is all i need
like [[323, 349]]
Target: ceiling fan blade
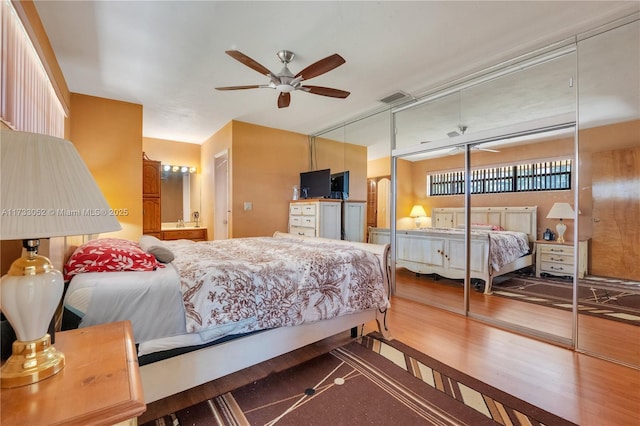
[[487, 149], [321, 67], [241, 57], [284, 99], [254, 86], [326, 91]]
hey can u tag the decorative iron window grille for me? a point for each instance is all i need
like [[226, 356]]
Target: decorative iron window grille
[[546, 176]]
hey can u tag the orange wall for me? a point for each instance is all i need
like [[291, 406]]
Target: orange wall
[[265, 164], [172, 152], [379, 167], [108, 136]]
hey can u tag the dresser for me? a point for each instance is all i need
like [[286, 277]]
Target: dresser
[[317, 218], [558, 259]]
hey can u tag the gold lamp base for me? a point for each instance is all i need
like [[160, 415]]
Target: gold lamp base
[[31, 362]]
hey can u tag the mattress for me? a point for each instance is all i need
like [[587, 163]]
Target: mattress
[[152, 301]]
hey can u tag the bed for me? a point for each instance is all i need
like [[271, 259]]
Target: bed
[[217, 307], [501, 242]]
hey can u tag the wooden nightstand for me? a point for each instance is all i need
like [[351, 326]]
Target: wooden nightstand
[[558, 259], [99, 385]]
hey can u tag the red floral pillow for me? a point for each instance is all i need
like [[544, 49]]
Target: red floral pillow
[[109, 255]]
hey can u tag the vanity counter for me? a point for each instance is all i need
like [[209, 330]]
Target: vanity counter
[[186, 233]]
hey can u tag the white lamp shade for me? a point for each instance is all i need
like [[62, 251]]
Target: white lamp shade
[[417, 211], [561, 211], [47, 190]]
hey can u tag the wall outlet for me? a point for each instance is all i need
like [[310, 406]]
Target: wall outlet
[[248, 205]]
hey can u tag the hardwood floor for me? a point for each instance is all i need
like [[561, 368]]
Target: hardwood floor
[[575, 386]]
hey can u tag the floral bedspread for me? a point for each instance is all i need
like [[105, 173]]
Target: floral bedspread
[[247, 284]]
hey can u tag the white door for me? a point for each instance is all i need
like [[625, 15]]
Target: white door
[[221, 208]]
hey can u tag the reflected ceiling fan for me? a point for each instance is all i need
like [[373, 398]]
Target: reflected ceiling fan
[[285, 81], [458, 149]]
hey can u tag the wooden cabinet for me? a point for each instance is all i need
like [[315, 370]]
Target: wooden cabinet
[[199, 234], [315, 218], [151, 178], [426, 254], [151, 214], [559, 259], [99, 385], [354, 215]]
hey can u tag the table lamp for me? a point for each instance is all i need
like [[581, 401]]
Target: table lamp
[[47, 191], [561, 211], [418, 212]]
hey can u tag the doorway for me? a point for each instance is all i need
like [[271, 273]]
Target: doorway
[[221, 188]]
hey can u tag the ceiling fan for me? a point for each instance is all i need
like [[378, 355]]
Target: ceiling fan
[[459, 149], [285, 81]]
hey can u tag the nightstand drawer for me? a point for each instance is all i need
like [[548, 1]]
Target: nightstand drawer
[[556, 268], [556, 249], [556, 258]]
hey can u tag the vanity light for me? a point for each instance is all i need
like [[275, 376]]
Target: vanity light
[[178, 169]]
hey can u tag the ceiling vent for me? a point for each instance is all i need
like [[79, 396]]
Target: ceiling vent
[[397, 97]]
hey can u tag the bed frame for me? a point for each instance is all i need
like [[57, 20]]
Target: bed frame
[[444, 253], [167, 377]]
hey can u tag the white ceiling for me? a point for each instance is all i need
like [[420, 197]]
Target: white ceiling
[[169, 55]]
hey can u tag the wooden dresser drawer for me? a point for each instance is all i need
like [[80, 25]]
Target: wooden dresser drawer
[[185, 234], [306, 221], [299, 230], [303, 209]]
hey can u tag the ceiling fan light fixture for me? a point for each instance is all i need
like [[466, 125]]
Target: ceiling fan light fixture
[[286, 88]]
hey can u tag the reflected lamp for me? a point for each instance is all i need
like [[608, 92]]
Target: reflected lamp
[[418, 213], [561, 211], [46, 191]]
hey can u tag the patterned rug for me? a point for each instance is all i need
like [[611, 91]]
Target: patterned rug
[[608, 298], [370, 381]]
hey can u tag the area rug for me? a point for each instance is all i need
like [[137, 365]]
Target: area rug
[[608, 298], [370, 381]]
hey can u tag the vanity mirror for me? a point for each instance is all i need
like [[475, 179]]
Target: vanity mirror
[[180, 200]]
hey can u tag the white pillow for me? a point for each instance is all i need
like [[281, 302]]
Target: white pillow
[[154, 246]]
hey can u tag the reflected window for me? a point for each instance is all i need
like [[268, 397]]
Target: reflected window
[[545, 176]]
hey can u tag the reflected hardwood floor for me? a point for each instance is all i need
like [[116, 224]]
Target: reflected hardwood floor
[[575, 386]]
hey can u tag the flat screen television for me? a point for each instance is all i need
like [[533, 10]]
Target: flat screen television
[[340, 185], [315, 184]]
